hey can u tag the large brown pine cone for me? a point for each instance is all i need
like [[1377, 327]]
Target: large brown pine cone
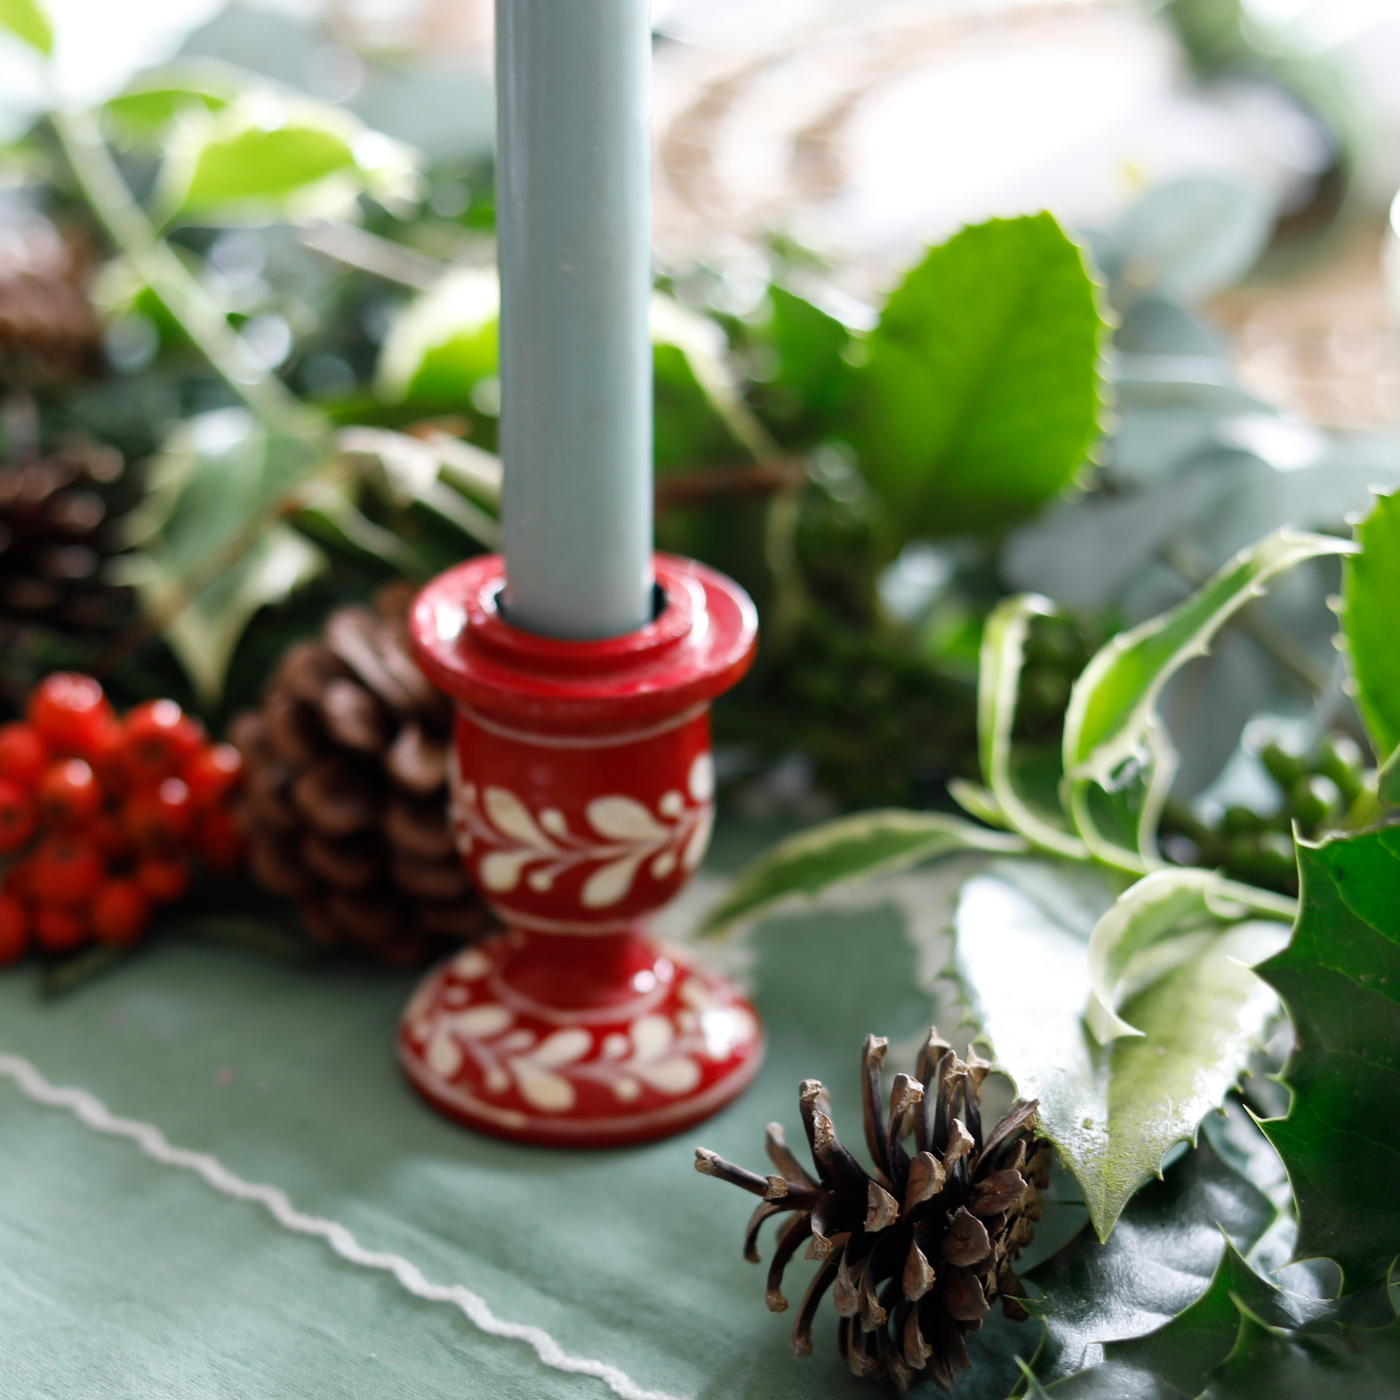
[[55, 534], [346, 799], [48, 329]]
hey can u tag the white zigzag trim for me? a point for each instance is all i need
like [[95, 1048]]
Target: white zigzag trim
[[152, 1142]]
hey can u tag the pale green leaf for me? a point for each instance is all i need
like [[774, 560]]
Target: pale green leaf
[[1112, 707], [152, 101], [265, 158], [998, 688], [1112, 1111], [847, 851], [981, 393], [204, 634], [444, 342], [1371, 592], [29, 22]]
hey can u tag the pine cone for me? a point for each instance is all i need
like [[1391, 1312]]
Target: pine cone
[[48, 329], [55, 533], [916, 1254], [346, 795]]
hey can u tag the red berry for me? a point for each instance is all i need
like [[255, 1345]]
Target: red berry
[[159, 739], [17, 817], [111, 838], [105, 756], [219, 841], [159, 819], [120, 913], [212, 774], [14, 930], [68, 794], [60, 930], [19, 878], [23, 754], [164, 878], [67, 870], [70, 712]]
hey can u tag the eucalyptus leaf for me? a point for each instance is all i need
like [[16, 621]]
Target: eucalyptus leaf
[[846, 851], [1113, 1112], [29, 22], [981, 395], [1371, 590], [1192, 238], [1340, 979], [1111, 708]]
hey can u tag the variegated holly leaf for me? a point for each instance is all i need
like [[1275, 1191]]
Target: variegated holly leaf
[[998, 688], [1111, 724], [847, 851], [1112, 706], [1340, 979], [1113, 1111]]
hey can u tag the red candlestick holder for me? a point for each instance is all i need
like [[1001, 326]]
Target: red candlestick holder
[[582, 797]]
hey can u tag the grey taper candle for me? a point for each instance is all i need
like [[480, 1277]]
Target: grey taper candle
[[574, 225]]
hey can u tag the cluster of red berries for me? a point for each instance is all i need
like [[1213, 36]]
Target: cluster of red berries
[[100, 816]]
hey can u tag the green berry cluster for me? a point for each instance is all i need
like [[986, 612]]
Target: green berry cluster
[[1315, 790]]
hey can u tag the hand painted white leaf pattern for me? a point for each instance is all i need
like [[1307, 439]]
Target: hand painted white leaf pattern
[[511, 816], [623, 819]]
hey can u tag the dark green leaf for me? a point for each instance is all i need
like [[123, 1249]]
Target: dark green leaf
[[1340, 979], [1112, 1111], [1158, 1267], [980, 397], [1371, 588], [811, 378], [846, 851], [1266, 1365]]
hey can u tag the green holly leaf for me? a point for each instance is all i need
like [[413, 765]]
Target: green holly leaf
[[29, 22], [1340, 980], [1150, 1299], [1113, 1111], [981, 393], [1370, 587], [1266, 1364], [849, 850]]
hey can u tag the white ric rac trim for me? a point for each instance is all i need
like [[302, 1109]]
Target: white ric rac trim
[[95, 1114]]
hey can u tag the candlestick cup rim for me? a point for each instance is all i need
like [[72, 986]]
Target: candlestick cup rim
[[699, 645]]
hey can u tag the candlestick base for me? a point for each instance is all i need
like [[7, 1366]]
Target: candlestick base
[[582, 795], [652, 1043]]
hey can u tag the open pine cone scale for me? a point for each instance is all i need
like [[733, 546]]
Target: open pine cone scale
[[914, 1255]]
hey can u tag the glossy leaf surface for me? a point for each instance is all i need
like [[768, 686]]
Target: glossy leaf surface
[[1340, 979], [1112, 1111]]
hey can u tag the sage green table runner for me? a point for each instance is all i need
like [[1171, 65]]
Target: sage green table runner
[[122, 1277]]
